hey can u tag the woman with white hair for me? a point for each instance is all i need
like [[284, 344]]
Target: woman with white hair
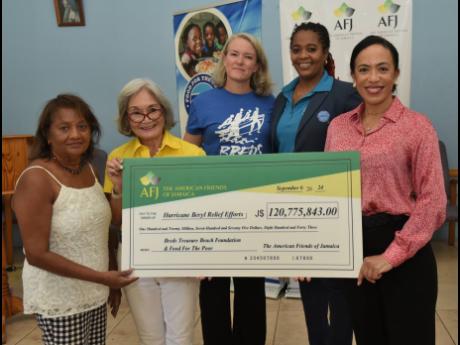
[[163, 308]]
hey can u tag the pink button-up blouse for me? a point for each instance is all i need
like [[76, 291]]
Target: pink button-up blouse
[[401, 172]]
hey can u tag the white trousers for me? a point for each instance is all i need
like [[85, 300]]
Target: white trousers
[[164, 309]]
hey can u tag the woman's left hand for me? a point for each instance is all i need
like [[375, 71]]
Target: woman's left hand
[[372, 269], [114, 170]]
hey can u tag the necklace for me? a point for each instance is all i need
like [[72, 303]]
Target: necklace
[[369, 128], [73, 171], [370, 125]]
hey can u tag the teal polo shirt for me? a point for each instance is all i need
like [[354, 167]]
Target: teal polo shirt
[[292, 114]]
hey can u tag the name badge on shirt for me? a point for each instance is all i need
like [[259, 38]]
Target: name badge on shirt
[[323, 116]]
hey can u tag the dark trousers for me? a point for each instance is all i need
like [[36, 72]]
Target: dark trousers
[[318, 296], [400, 308], [249, 314]]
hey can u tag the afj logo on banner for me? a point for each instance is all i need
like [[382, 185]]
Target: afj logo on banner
[[301, 14], [389, 18], [345, 21]]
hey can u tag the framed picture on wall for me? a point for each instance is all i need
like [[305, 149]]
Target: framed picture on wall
[[69, 12]]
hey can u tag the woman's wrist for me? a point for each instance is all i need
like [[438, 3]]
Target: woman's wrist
[[116, 194]]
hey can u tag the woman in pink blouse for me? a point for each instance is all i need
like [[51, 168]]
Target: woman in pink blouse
[[403, 203]]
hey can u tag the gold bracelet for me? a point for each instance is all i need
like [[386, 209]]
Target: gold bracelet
[[115, 195]]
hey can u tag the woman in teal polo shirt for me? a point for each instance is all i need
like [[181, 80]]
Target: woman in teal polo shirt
[[301, 115]]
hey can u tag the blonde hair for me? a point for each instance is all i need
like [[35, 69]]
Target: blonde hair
[[261, 81], [134, 87]]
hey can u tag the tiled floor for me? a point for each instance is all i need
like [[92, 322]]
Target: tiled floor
[[286, 324]]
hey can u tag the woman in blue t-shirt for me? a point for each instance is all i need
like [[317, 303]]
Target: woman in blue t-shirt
[[234, 119]]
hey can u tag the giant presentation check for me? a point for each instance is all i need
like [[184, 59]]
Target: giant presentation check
[[296, 214]]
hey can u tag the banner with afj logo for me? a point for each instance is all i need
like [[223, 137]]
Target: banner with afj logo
[[200, 35], [348, 23]]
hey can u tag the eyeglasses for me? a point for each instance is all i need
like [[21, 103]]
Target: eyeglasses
[[152, 113]]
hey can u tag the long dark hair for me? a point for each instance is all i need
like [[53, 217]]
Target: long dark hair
[[41, 148]]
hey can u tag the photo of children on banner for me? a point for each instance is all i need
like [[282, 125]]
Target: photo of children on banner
[[222, 35], [202, 40], [192, 42]]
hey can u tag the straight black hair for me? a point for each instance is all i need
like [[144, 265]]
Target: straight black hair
[[369, 41]]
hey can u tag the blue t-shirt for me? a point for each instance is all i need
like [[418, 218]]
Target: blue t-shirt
[[231, 124]]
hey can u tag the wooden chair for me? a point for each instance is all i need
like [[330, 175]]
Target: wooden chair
[[450, 183], [11, 305], [15, 156]]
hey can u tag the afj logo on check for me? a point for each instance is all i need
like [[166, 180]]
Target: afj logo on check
[[150, 183]]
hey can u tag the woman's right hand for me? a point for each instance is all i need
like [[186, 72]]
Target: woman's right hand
[[118, 279], [114, 170]]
